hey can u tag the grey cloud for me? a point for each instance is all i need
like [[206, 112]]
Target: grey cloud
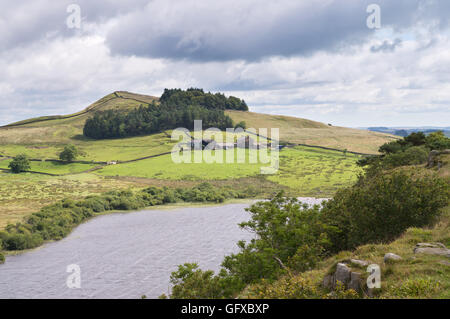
[[253, 30], [27, 21], [222, 30]]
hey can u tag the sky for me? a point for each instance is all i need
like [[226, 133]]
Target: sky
[[315, 59]]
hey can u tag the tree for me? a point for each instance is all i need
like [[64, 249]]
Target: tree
[[438, 141], [20, 163], [241, 124], [69, 153]]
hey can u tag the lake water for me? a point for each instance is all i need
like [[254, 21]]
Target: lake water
[[127, 255]]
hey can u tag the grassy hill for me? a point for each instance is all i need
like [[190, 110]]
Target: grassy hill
[[69, 128], [301, 131]]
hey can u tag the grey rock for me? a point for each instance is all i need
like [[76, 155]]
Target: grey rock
[[355, 281], [430, 245], [432, 249], [361, 263], [328, 281], [343, 273], [391, 257]]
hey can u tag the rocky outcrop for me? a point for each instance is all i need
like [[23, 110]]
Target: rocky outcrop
[[344, 275], [390, 257], [432, 249]]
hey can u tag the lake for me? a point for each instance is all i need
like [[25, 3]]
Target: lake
[[127, 255]]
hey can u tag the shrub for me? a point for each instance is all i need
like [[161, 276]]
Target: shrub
[[19, 164], [438, 141], [2, 258], [69, 153], [411, 156], [22, 241], [191, 282], [383, 207]]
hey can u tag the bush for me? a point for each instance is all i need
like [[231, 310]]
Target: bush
[[69, 153], [22, 241], [19, 164], [411, 156], [189, 282], [381, 208], [286, 231], [2, 258], [438, 141]]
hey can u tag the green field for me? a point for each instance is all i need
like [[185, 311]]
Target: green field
[[97, 150], [54, 167], [164, 168], [314, 171]]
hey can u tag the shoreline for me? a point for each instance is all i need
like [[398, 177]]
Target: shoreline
[[167, 207]]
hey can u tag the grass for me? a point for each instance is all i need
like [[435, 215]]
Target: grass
[[97, 150], [304, 170], [302, 131], [164, 168], [415, 276], [314, 171], [25, 193], [54, 167]]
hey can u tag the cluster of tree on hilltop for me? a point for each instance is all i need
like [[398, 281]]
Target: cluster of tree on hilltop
[[177, 108], [195, 96]]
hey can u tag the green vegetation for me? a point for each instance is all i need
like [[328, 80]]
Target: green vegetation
[[19, 164], [411, 150], [69, 153], [163, 167], [316, 172], [56, 221], [415, 276], [176, 108], [50, 167], [293, 238]]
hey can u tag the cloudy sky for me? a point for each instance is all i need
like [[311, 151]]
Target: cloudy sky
[[315, 59]]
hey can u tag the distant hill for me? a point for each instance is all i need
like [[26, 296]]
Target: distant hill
[[68, 128], [404, 131]]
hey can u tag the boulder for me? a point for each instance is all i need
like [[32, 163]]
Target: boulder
[[391, 257], [361, 263], [328, 281], [343, 273], [432, 249], [355, 281]]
